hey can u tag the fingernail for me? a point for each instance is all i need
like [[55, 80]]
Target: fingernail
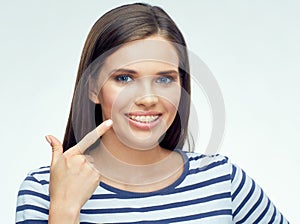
[[48, 139], [108, 123]]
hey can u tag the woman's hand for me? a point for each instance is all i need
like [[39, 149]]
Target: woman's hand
[[72, 178]]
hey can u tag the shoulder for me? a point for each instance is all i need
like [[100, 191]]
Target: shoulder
[[204, 162], [41, 175], [194, 156], [207, 170], [33, 196], [36, 180]]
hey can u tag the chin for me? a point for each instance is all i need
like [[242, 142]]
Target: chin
[[139, 142], [139, 138]]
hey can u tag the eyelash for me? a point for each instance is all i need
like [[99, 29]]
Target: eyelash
[[168, 79], [119, 78]]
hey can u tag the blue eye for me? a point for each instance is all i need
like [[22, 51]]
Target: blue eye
[[123, 78], [164, 80]]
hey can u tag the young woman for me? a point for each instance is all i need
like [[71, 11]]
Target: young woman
[[121, 160]]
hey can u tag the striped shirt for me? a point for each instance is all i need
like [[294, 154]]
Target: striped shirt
[[210, 190]]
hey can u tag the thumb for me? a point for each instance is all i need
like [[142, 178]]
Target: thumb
[[57, 148]]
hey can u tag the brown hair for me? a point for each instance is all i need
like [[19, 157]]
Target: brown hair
[[118, 26]]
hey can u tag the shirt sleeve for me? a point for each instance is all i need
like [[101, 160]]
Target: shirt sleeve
[[33, 201], [250, 203]]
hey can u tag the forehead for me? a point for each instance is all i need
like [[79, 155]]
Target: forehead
[[154, 49]]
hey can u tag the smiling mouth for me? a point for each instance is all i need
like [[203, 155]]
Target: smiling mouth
[[144, 118]]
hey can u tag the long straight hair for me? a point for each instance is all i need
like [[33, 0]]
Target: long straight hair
[[116, 27]]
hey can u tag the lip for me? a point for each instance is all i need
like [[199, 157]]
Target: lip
[[144, 125], [143, 113]]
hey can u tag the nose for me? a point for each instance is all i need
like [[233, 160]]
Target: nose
[[147, 101], [145, 95]]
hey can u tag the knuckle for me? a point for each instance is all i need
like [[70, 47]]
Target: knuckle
[[75, 161], [56, 148], [96, 177], [81, 160]]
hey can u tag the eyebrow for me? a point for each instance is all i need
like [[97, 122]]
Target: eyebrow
[[167, 72], [124, 70]]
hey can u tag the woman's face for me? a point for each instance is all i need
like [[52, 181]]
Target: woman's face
[[140, 91]]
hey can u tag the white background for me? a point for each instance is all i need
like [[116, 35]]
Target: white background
[[252, 48]]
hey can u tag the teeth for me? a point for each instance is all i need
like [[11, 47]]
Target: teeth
[[144, 119]]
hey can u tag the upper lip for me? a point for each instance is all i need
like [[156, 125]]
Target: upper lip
[[144, 113]]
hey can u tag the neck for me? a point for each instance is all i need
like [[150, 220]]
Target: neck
[[131, 155], [122, 164]]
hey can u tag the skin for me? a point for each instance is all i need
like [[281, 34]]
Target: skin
[[131, 81], [67, 173], [151, 84]]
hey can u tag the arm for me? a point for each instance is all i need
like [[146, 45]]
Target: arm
[[250, 203]]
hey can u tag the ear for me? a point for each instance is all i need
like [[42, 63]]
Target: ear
[[93, 91]]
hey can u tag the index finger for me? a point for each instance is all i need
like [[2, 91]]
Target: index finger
[[93, 136]]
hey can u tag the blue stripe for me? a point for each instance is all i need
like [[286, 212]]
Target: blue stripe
[[184, 218], [253, 207], [240, 186], [32, 221], [209, 166], [281, 219], [197, 157], [204, 183], [263, 213], [44, 167], [246, 199], [175, 191], [158, 207], [273, 216], [33, 193], [32, 207], [233, 173], [30, 178], [40, 172]]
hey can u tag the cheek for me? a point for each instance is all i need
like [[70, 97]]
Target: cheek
[[114, 99], [170, 96], [107, 99]]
